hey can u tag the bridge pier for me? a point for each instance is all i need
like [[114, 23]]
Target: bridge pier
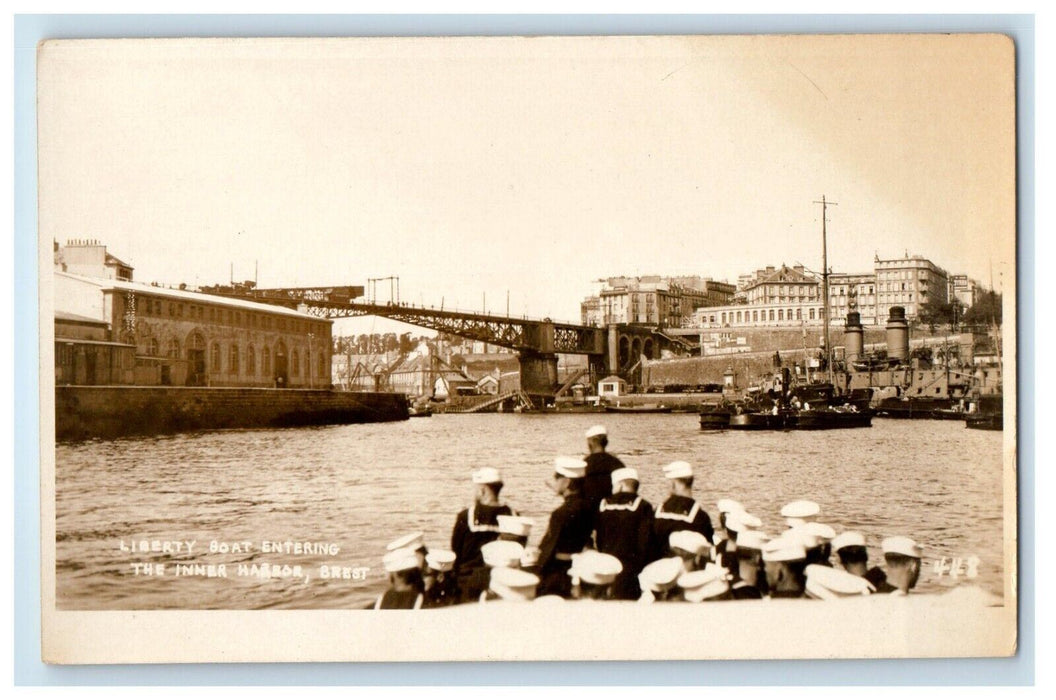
[[538, 373]]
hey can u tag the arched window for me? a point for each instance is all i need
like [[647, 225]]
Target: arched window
[[251, 361], [296, 362], [152, 347], [233, 359], [265, 361], [174, 349], [780, 314], [215, 357]]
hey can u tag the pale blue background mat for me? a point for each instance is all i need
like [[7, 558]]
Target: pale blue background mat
[[29, 30]]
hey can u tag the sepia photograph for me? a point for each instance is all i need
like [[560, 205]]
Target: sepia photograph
[[528, 348]]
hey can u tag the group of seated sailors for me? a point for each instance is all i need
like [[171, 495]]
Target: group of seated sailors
[[605, 542]]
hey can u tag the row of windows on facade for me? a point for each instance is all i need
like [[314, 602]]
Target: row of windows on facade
[[157, 307], [234, 358]]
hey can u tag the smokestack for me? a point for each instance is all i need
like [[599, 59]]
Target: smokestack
[[853, 336], [897, 334]]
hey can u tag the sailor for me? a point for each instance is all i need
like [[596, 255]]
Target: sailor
[[785, 559], [679, 511], [600, 466], [749, 577], [709, 583], [405, 581], [502, 554], [415, 543], [850, 550], [513, 585], [624, 529], [659, 579], [799, 512], [441, 586], [827, 583], [903, 558], [736, 522], [593, 574], [474, 527], [725, 506], [690, 547], [819, 549], [515, 528], [569, 529]]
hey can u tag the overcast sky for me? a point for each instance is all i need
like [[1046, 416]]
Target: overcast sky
[[473, 168]]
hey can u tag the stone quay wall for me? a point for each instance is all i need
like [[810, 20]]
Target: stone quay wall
[[83, 412]]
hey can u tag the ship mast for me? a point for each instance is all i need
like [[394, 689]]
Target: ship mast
[[825, 285]]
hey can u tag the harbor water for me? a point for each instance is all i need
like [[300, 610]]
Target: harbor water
[[329, 499]]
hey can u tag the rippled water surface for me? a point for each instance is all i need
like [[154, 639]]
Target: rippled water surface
[[361, 486]]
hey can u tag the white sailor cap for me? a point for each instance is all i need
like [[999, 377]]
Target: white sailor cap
[[487, 475], [661, 574], [851, 538], [624, 474], [595, 567], [902, 545], [412, 541], [400, 560], [738, 521], [709, 582], [596, 430], [571, 467], [502, 553], [784, 548], [515, 525], [827, 583], [678, 470], [688, 541], [800, 510], [513, 584], [823, 532], [440, 559], [728, 505], [802, 535], [751, 539]]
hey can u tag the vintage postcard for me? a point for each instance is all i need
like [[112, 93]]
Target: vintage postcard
[[510, 348]]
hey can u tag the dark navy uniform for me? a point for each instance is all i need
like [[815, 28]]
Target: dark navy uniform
[[679, 513], [474, 527], [624, 529], [399, 600], [878, 578], [597, 483], [444, 590], [568, 533]]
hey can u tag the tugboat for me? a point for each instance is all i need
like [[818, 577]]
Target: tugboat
[[990, 414]]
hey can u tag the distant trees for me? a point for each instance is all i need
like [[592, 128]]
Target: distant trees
[[985, 310], [934, 313], [376, 343]]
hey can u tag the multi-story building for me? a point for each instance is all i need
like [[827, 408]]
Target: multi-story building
[[859, 289], [652, 300], [910, 282], [963, 289], [783, 285], [180, 337], [90, 259]]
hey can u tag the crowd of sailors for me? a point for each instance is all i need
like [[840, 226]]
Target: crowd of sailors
[[605, 542]]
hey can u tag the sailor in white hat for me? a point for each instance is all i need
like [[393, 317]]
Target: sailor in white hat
[[658, 579], [600, 465], [709, 583], [799, 512], [725, 506], [690, 546], [502, 554], [827, 583], [851, 551], [414, 542], [512, 585], [474, 527], [441, 586], [749, 580], [903, 557], [624, 529], [734, 523], [405, 581], [593, 574], [820, 552], [680, 511], [515, 528], [569, 530], [785, 559]]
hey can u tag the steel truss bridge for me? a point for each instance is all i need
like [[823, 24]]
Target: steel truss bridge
[[617, 349]]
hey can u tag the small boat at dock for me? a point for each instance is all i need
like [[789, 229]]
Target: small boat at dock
[[638, 409]]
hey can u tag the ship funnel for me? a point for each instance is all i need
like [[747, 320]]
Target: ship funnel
[[853, 337], [897, 334]]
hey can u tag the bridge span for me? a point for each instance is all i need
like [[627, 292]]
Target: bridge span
[[616, 349]]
